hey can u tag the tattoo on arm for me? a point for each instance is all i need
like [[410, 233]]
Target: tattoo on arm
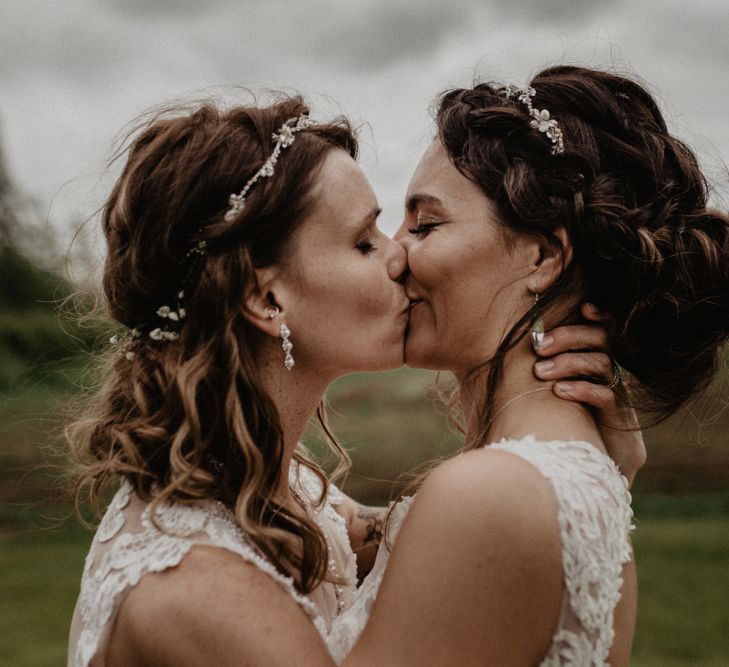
[[375, 520]]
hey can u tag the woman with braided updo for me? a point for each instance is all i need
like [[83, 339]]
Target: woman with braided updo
[[528, 202], [225, 543]]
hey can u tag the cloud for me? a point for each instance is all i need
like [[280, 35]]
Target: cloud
[[166, 8], [381, 36], [555, 13], [73, 73]]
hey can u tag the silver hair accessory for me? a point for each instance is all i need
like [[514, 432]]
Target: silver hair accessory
[[173, 316], [540, 117], [287, 346], [284, 138]]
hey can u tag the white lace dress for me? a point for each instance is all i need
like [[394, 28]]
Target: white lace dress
[[595, 521], [127, 545]]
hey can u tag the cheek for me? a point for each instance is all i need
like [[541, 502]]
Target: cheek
[[365, 294], [460, 283], [352, 305]]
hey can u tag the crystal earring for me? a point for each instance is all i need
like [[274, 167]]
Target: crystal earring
[[537, 327], [287, 346], [271, 312]]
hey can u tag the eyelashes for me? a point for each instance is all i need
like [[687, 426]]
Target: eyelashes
[[366, 248], [422, 228]]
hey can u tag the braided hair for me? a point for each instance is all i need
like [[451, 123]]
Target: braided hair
[[647, 248]]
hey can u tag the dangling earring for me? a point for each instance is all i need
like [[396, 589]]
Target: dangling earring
[[537, 327], [284, 332], [287, 346]]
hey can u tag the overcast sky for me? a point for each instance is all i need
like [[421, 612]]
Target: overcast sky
[[74, 72]]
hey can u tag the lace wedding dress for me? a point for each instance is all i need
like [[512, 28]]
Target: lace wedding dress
[[128, 545], [595, 521]]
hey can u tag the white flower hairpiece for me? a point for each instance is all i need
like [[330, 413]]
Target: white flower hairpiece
[[540, 117], [284, 138], [173, 316]]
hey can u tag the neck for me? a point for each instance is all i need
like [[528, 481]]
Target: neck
[[518, 380], [524, 405], [296, 395]]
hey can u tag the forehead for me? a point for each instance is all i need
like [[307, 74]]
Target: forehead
[[437, 177], [341, 190]]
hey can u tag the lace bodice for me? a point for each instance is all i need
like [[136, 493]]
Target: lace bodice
[[595, 520], [128, 545]]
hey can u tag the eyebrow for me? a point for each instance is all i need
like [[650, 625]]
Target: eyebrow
[[413, 201], [372, 215]]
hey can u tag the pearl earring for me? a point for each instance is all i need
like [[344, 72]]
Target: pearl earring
[[287, 346]]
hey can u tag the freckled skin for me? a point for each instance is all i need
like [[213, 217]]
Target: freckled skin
[[342, 296]]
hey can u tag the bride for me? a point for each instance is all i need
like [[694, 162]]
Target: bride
[[225, 544], [527, 202]]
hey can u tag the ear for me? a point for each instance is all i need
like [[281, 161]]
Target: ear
[[550, 261], [263, 308]]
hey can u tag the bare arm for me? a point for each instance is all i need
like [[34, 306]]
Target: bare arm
[[213, 609], [365, 525], [455, 595]]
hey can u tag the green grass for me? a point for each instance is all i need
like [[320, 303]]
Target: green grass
[[40, 571], [683, 574], [390, 422]]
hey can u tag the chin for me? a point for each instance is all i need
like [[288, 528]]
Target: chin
[[386, 356], [418, 357]]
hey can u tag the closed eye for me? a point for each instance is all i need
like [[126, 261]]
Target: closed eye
[[422, 228], [365, 247]]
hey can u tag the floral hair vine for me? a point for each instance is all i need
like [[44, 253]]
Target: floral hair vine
[[540, 117], [172, 317], [284, 138]]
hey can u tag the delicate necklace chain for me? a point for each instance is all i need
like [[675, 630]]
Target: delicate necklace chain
[[515, 398], [331, 561]]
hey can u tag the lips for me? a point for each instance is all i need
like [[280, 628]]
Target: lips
[[414, 301], [413, 297]]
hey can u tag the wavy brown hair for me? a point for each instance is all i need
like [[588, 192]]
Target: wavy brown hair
[[188, 420], [648, 249]]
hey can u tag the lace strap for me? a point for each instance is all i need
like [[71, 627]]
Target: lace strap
[[132, 555], [595, 520]]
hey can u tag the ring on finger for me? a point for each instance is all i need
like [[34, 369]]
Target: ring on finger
[[617, 377]]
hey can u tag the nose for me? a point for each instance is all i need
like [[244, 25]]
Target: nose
[[402, 236], [397, 260]]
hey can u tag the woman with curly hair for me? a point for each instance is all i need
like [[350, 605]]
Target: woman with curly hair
[[225, 542]]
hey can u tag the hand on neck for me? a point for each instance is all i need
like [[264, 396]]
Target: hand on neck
[[523, 405]]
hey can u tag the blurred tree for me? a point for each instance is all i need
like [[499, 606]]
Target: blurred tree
[[34, 337]]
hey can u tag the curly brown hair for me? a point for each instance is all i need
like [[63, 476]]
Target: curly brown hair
[[168, 417], [647, 248]]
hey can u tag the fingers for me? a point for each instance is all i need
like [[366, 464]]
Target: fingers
[[594, 395], [574, 364], [574, 337], [591, 312]]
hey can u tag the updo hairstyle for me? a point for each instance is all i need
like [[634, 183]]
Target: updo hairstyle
[[648, 248]]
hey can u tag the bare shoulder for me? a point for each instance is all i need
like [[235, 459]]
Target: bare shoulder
[[213, 608], [492, 488], [479, 557]]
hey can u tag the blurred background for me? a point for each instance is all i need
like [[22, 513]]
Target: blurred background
[[74, 72]]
